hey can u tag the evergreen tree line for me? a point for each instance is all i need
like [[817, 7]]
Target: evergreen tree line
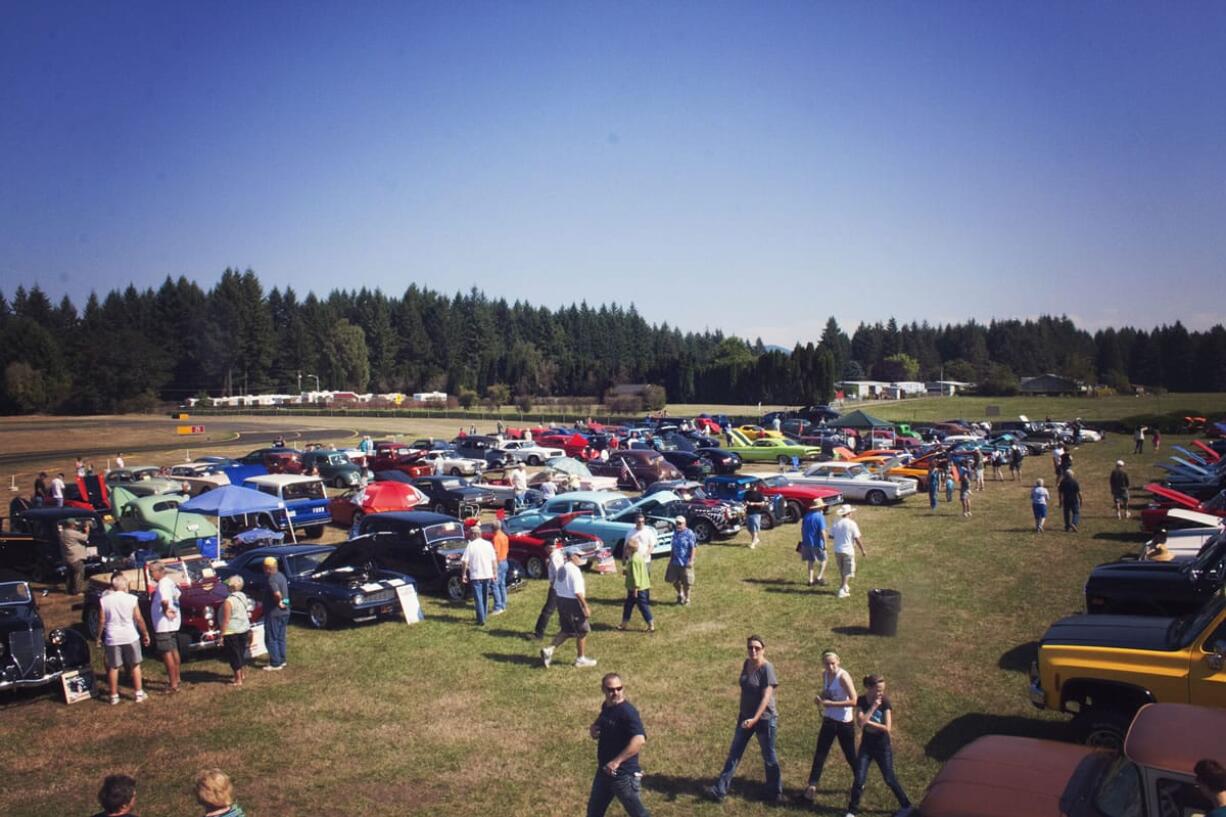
[[132, 349]]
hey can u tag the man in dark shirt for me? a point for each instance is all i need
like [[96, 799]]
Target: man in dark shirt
[[1070, 500], [1119, 491], [276, 614], [619, 736], [755, 506], [40, 490]]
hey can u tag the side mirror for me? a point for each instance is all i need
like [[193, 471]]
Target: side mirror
[[1215, 661]]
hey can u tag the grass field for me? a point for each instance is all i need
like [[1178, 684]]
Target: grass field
[[446, 718]]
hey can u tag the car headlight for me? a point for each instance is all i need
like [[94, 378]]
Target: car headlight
[[359, 599], [56, 638]]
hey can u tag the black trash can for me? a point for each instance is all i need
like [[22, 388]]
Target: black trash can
[[883, 609]]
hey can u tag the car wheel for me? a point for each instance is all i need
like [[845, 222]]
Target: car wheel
[[704, 531], [456, 472], [534, 460], [92, 619], [318, 616], [768, 521], [875, 497], [1103, 728], [536, 567], [792, 511], [456, 589], [314, 532], [784, 460], [358, 516], [339, 482], [439, 507]]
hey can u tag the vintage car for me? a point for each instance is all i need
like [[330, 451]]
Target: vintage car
[[263, 461], [856, 482], [690, 464], [769, 449], [1103, 668], [708, 517], [29, 655], [722, 460], [449, 462], [454, 495], [560, 471], [635, 469], [573, 444], [529, 453], [1186, 541], [794, 500], [497, 481], [305, 498], [375, 497], [395, 456], [1005, 776], [334, 468], [605, 514], [530, 547], [426, 546], [31, 550], [200, 468], [328, 585], [199, 605], [755, 432], [1151, 588], [1154, 515], [160, 516], [145, 486], [480, 447]]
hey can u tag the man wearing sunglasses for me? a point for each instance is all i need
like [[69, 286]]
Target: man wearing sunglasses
[[619, 736]]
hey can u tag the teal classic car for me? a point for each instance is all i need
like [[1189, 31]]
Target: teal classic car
[[160, 515], [334, 468], [606, 514], [770, 449]]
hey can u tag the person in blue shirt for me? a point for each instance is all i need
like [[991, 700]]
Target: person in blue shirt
[[1211, 779], [813, 542], [681, 563]]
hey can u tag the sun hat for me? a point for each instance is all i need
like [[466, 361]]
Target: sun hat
[[846, 510], [818, 504]]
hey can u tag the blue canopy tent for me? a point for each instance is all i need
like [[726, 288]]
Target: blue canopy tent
[[235, 500]]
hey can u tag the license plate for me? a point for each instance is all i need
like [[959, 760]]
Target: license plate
[[387, 609]]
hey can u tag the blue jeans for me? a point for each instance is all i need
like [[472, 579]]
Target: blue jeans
[[481, 597], [500, 586], [275, 629], [883, 753], [932, 499], [625, 786], [1072, 515], [765, 730], [643, 599]]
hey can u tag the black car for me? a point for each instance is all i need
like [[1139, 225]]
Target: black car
[[709, 518], [30, 656], [722, 461], [327, 585], [691, 465], [453, 495], [1148, 588], [478, 447], [425, 545], [31, 550]]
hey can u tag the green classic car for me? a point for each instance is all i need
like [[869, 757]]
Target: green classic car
[[767, 449], [160, 515]]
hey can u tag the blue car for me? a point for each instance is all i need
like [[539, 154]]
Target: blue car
[[732, 488], [304, 498], [328, 585]]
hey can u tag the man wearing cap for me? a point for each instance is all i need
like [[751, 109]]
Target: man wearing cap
[[572, 610], [845, 535], [1119, 491], [276, 614], [813, 541], [681, 563], [480, 567]]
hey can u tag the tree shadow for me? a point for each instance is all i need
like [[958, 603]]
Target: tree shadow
[[1019, 658], [851, 629], [965, 728], [610, 602], [514, 658]]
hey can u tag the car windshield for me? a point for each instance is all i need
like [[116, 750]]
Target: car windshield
[[1120, 793], [14, 593], [301, 564], [451, 484], [443, 532], [775, 482], [308, 489], [616, 505], [1184, 629], [188, 571], [337, 459]]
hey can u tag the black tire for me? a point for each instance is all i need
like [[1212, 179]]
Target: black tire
[[792, 511], [1103, 728], [314, 532], [768, 521], [876, 497], [784, 460], [456, 472], [91, 618], [318, 615], [456, 588], [339, 482], [534, 460], [535, 568], [439, 507], [704, 531]]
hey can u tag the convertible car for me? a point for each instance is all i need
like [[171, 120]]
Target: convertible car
[[856, 482]]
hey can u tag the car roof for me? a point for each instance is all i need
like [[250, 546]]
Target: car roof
[[286, 550], [598, 497], [1175, 736], [421, 518], [281, 479], [58, 513]]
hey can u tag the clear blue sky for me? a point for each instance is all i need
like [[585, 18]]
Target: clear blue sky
[[752, 167]]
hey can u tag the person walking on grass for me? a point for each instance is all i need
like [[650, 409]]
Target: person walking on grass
[[813, 542], [121, 628], [1138, 439], [235, 626], [875, 716], [502, 547], [755, 506], [1039, 498], [644, 537], [680, 571], [979, 464], [1157, 439], [1070, 500], [164, 610], [1119, 491], [998, 462], [758, 716], [619, 735], [1015, 462], [845, 536], [838, 701], [638, 588], [557, 558], [573, 611], [479, 567], [934, 487], [964, 492], [276, 615]]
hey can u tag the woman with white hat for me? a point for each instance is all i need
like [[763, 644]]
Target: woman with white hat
[[845, 534]]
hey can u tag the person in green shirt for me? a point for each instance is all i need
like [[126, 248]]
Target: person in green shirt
[[638, 586]]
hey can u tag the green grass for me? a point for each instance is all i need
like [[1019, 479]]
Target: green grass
[[1090, 409], [445, 718]]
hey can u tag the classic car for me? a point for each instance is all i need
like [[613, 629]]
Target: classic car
[[426, 546], [530, 547], [31, 550], [160, 516], [1150, 588], [328, 585], [134, 473], [29, 655], [753, 432], [607, 515], [479, 447], [146, 486], [195, 486], [1006, 776], [788, 501], [1186, 541], [430, 444], [394, 456], [453, 495], [199, 468], [856, 482], [893, 465], [722, 460], [530, 453], [559, 471], [769, 449], [305, 498], [573, 443], [708, 517], [199, 605], [1154, 515], [1103, 668], [635, 469], [273, 460], [448, 462], [334, 468], [691, 465], [348, 509], [732, 488], [497, 481]]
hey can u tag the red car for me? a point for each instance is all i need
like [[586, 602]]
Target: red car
[[349, 508], [528, 546], [797, 498], [276, 460], [575, 445], [1154, 516], [395, 456]]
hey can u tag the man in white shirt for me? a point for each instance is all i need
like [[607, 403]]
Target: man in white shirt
[[557, 558], [548, 489], [480, 565], [572, 610], [644, 537], [519, 483], [846, 536], [119, 460], [57, 491], [164, 610]]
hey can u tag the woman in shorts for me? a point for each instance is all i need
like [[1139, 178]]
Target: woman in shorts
[[235, 628], [1039, 497], [122, 630], [964, 491]]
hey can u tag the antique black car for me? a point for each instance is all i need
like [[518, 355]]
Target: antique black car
[[453, 495], [708, 517], [1147, 588], [328, 585], [30, 656], [425, 545], [31, 549]]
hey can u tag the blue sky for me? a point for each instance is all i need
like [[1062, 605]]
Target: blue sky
[[753, 167]]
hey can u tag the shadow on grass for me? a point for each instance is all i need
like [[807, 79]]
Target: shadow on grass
[[503, 633], [1018, 658], [803, 590], [514, 658], [772, 581], [200, 676], [1119, 536], [851, 629], [965, 728]]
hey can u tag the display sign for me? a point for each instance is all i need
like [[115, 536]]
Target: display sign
[[190, 430], [257, 647], [410, 604], [78, 685]]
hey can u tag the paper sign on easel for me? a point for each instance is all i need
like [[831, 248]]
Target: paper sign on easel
[[257, 646], [410, 604], [78, 685]]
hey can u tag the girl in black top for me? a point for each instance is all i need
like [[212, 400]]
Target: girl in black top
[[876, 717]]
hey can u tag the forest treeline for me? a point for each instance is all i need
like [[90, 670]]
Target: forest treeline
[[132, 349]]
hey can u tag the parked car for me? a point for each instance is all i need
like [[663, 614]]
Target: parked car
[[560, 469], [856, 482], [200, 468], [394, 456], [691, 465], [732, 488], [306, 502], [273, 460], [482, 448], [453, 495], [327, 585], [635, 469], [1004, 776], [722, 460], [754, 432], [31, 550], [334, 468], [202, 595], [160, 515], [29, 655], [1103, 668], [1148, 588], [1154, 515], [375, 497], [529, 453], [708, 517], [769, 449], [529, 547], [449, 462], [426, 546], [605, 514]]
